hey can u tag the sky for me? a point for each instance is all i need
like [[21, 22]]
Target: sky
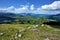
[[30, 6]]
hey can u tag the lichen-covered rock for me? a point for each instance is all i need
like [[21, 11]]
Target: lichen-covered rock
[[21, 30], [42, 25], [20, 35], [35, 26], [16, 37], [46, 39], [1, 34], [29, 27], [34, 29]]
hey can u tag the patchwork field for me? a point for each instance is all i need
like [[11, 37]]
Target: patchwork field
[[28, 32]]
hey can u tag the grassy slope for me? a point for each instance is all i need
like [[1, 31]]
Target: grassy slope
[[39, 33]]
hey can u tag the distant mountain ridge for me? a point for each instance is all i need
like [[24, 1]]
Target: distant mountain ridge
[[55, 17], [13, 16]]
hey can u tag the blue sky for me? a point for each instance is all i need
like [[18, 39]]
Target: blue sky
[[17, 3], [34, 6]]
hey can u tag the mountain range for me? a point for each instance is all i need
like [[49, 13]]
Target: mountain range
[[13, 16]]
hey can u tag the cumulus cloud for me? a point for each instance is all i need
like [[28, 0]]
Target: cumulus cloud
[[54, 6], [12, 9], [32, 7], [9, 9], [21, 9]]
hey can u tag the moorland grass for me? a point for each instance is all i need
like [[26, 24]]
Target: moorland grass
[[9, 31]]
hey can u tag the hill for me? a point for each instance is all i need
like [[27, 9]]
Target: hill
[[55, 17], [28, 32], [21, 18]]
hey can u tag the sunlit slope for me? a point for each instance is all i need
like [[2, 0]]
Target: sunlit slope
[[28, 32]]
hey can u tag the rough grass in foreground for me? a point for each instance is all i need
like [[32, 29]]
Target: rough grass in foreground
[[11, 31]]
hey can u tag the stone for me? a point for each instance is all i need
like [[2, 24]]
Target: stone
[[42, 25], [16, 37], [35, 26], [1, 33], [46, 39], [19, 35], [21, 30], [47, 25], [29, 27]]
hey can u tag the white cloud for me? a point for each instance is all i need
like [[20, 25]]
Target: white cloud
[[32, 7], [9, 9], [12, 9], [55, 5], [21, 9]]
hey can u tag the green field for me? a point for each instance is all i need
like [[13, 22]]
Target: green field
[[28, 32]]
